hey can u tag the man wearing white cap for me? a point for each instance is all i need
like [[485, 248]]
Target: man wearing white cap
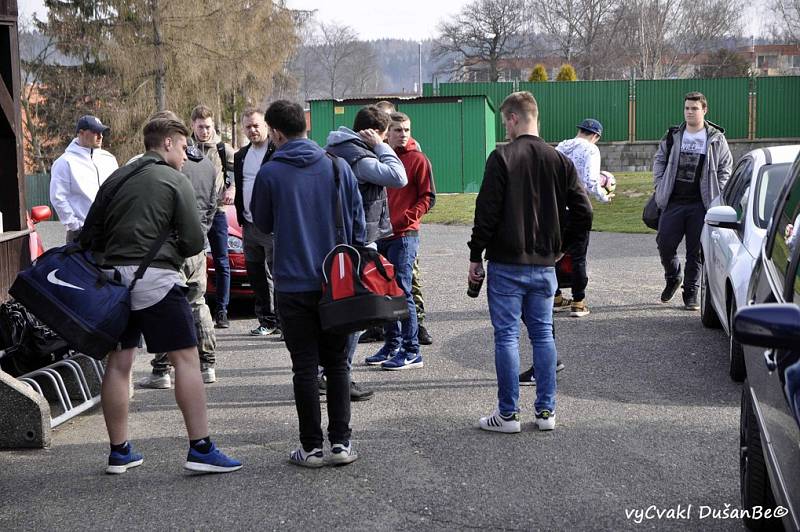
[[76, 176]]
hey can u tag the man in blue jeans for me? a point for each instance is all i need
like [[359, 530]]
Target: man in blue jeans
[[407, 206], [521, 222], [221, 155]]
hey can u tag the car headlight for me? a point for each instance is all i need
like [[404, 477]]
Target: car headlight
[[235, 244]]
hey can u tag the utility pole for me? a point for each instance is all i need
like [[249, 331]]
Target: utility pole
[[420, 67]]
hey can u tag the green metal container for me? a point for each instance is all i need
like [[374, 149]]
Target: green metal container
[[778, 107], [455, 133], [564, 104], [659, 105], [496, 92]]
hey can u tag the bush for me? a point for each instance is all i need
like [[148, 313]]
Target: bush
[[539, 73], [567, 73]]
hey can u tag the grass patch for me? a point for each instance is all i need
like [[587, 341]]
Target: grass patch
[[622, 215]]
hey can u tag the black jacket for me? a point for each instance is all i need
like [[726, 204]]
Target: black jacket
[[238, 177], [521, 210]]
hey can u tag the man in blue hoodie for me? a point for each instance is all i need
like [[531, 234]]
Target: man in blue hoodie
[[294, 197]]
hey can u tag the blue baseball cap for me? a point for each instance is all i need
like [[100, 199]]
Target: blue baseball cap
[[592, 126], [92, 123]]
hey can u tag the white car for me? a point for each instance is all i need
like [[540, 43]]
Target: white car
[[736, 224]]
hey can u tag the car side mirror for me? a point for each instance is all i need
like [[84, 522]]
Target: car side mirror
[[774, 325], [722, 216], [40, 213]]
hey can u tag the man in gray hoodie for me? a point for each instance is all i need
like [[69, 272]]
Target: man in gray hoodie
[[376, 166], [208, 141], [690, 169]]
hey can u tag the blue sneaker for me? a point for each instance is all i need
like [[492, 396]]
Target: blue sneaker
[[383, 354], [118, 463], [214, 461], [403, 360]]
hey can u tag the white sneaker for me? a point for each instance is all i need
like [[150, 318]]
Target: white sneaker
[[342, 454], [300, 457], [497, 423], [158, 381], [209, 375], [544, 420]]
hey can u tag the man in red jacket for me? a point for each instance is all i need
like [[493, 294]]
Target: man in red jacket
[[407, 206]]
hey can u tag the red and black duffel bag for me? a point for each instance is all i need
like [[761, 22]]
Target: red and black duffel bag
[[359, 290]]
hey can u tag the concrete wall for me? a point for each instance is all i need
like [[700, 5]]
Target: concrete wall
[[638, 156]]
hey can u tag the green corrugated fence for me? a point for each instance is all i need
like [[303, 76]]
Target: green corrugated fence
[[659, 104], [754, 108], [777, 107], [563, 104]]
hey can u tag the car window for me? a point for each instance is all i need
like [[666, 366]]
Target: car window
[[740, 200], [740, 173], [770, 181], [787, 231]]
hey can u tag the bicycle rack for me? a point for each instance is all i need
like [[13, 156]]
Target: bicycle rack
[[66, 384]]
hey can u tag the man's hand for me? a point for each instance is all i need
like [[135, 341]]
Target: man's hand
[[476, 272], [370, 137], [227, 197]]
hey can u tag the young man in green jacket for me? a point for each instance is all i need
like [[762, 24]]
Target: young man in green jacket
[[122, 225]]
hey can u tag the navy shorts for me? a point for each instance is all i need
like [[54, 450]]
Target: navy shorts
[[167, 326]]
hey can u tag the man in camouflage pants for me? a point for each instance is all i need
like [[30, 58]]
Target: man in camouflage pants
[[202, 173]]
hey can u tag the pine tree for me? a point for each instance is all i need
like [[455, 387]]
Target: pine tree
[[567, 73], [539, 73]]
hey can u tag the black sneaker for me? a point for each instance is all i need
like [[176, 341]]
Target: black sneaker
[[424, 336], [528, 378], [373, 334], [222, 320], [690, 301], [670, 289], [357, 393]]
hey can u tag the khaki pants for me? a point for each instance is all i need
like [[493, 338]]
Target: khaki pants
[[193, 272]]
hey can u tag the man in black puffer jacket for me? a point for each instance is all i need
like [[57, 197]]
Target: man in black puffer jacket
[[376, 166]]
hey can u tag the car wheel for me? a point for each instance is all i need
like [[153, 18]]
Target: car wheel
[[708, 316], [753, 477], [737, 368]]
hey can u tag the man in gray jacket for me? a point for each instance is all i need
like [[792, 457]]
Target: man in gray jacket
[[691, 167], [376, 166]]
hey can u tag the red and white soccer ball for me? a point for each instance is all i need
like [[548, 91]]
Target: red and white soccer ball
[[608, 182]]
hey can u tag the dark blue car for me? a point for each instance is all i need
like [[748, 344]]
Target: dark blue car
[[769, 329]]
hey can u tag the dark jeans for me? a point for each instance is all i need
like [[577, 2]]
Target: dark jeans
[[580, 279], [309, 348], [218, 240], [677, 221], [258, 256]]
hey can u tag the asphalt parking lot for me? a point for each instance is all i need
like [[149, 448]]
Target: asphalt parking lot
[[646, 417]]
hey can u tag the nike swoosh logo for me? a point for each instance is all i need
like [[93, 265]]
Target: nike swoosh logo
[[55, 280]]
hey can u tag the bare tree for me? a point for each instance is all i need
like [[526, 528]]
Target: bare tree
[[789, 12], [484, 32], [666, 33], [335, 57], [580, 29]]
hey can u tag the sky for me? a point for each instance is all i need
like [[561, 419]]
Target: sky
[[416, 20], [409, 19]]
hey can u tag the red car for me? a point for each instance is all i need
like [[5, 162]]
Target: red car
[[240, 283]]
